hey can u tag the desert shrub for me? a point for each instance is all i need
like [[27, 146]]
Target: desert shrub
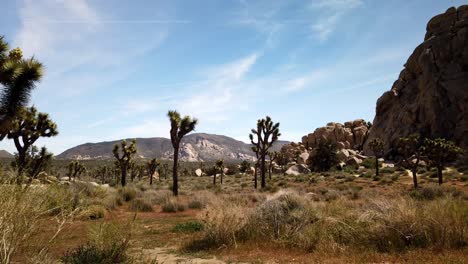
[[141, 205], [172, 206], [128, 193], [158, 197], [21, 210], [88, 190], [112, 200], [434, 191], [196, 204], [223, 225], [387, 170], [382, 225], [109, 243], [325, 157], [369, 163], [93, 212], [188, 227], [232, 169]]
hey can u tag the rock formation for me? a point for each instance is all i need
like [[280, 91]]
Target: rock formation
[[430, 96], [351, 135]]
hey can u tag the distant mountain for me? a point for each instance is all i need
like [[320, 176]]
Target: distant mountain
[[195, 147], [5, 154]]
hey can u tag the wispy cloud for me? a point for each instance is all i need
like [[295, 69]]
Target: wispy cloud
[[78, 49], [332, 13]]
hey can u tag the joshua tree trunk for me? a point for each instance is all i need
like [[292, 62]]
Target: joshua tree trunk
[[214, 178], [123, 180], [255, 175], [151, 179], [439, 175], [175, 180], [376, 166], [415, 179], [263, 171]]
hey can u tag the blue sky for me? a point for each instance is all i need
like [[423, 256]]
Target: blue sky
[[114, 67]]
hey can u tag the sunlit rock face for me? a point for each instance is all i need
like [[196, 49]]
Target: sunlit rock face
[[430, 96]]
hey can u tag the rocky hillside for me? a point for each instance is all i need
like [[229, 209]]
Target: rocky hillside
[[195, 147], [5, 154], [430, 96]]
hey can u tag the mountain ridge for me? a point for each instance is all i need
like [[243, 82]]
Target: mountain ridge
[[194, 147]]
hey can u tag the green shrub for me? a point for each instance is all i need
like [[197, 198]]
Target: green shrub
[[92, 254], [188, 227], [93, 212], [196, 204], [434, 192], [141, 205], [369, 163], [128, 193], [325, 156]]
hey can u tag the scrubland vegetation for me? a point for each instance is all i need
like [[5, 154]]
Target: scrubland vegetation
[[321, 216]]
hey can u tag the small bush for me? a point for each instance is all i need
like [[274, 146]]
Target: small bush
[[173, 206], [92, 254], [128, 193], [188, 227], [141, 205], [434, 192], [93, 212], [196, 204]]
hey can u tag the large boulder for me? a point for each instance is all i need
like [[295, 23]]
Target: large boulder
[[198, 172], [430, 96], [298, 170]]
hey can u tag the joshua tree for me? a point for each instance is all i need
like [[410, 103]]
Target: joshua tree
[[36, 161], [25, 128], [124, 161], [244, 166], [163, 169], [18, 77], [266, 134], [152, 166], [75, 169], [325, 156], [282, 160], [179, 128], [410, 149], [377, 147], [219, 167], [103, 172], [136, 171], [439, 152], [272, 158]]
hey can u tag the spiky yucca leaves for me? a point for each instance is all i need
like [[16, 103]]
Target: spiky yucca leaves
[[75, 169], [152, 166], [377, 147], [124, 161], [179, 128], [410, 149], [18, 77], [266, 134], [439, 152], [26, 128]]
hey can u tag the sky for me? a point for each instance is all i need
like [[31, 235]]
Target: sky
[[113, 68]]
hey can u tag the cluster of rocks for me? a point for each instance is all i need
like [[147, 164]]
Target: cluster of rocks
[[430, 96], [351, 135], [349, 138]]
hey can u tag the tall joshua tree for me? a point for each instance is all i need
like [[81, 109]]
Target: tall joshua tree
[[152, 166], [18, 77], [439, 152], [219, 167], [377, 147], [27, 126], [75, 169], [410, 149], [266, 134], [179, 128], [124, 161]]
